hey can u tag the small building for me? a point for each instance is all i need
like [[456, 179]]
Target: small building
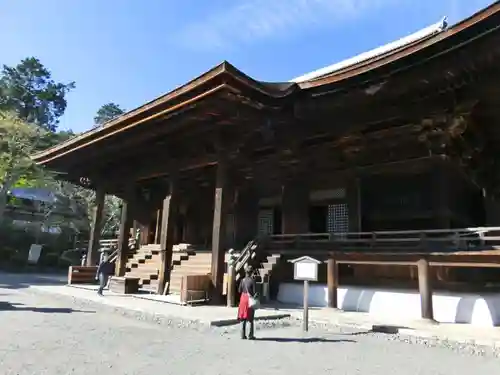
[[369, 164]]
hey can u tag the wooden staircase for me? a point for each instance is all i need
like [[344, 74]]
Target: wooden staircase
[[145, 264], [262, 262], [188, 262], [267, 266]]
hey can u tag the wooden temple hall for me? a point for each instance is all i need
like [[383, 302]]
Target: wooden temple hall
[[384, 167]]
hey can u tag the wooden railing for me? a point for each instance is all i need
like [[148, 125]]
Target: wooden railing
[[109, 246], [434, 240], [247, 257]]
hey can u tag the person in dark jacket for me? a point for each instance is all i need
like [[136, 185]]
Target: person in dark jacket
[[245, 312], [104, 271]]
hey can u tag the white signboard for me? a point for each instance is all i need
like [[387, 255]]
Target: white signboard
[[306, 271]]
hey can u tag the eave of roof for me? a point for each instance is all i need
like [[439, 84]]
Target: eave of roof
[[272, 90]]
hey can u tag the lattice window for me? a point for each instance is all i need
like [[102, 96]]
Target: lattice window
[[266, 222], [338, 218]]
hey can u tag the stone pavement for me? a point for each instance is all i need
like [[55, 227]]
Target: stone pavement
[[52, 334], [462, 333], [221, 316]]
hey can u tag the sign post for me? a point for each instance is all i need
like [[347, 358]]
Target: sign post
[[305, 269]]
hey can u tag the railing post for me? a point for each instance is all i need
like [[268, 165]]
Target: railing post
[[231, 279], [425, 289], [423, 242], [332, 282]]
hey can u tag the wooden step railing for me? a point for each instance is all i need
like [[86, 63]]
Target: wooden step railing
[[109, 246], [249, 256]]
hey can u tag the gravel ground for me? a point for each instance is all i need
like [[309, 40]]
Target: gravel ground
[[46, 334]]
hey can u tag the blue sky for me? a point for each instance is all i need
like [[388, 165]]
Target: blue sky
[[131, 51]]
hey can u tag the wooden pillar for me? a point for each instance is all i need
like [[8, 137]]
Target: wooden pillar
[[167, 233], [126, 223], [425, 288], [95, 231], [223, 199], [332, 282], [295, 207]]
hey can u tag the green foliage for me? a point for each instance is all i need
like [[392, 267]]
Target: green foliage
[[107, 113], [30, 92], [51, 139], [18, 140]]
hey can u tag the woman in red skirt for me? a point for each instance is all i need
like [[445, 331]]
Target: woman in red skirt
[[245, 312]]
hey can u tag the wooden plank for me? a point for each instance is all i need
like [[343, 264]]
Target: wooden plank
[[332, 282], [425, 289], [194, 286], [124, 285], [81, 275]]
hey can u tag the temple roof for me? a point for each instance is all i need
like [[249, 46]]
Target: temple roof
[[431, 42], [379, 51]]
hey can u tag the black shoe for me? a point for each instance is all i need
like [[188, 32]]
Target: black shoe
[[251, 337], [243, 337]]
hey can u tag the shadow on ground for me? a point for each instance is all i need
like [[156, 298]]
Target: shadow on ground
[[303, 340], [8, 306], [26, 280]]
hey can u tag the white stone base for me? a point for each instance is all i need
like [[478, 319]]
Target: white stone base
[[449, 307]]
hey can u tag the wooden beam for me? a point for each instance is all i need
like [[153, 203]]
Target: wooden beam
[[223, 198], [425, 288], [167, 233], [126, 224], [96, 226], [332, 282]]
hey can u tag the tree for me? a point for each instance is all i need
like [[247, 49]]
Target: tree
[[18, 141], [86, 197], [29, 91], [107, 113]]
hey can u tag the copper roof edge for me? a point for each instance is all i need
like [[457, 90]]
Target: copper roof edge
[[375, 52], [348, 68]]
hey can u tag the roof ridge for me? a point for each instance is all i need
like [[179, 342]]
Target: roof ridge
[[373, 53]]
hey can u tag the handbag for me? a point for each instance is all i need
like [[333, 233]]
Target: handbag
[[253, 302]]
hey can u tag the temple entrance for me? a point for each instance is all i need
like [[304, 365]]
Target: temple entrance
[[265, 226]]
